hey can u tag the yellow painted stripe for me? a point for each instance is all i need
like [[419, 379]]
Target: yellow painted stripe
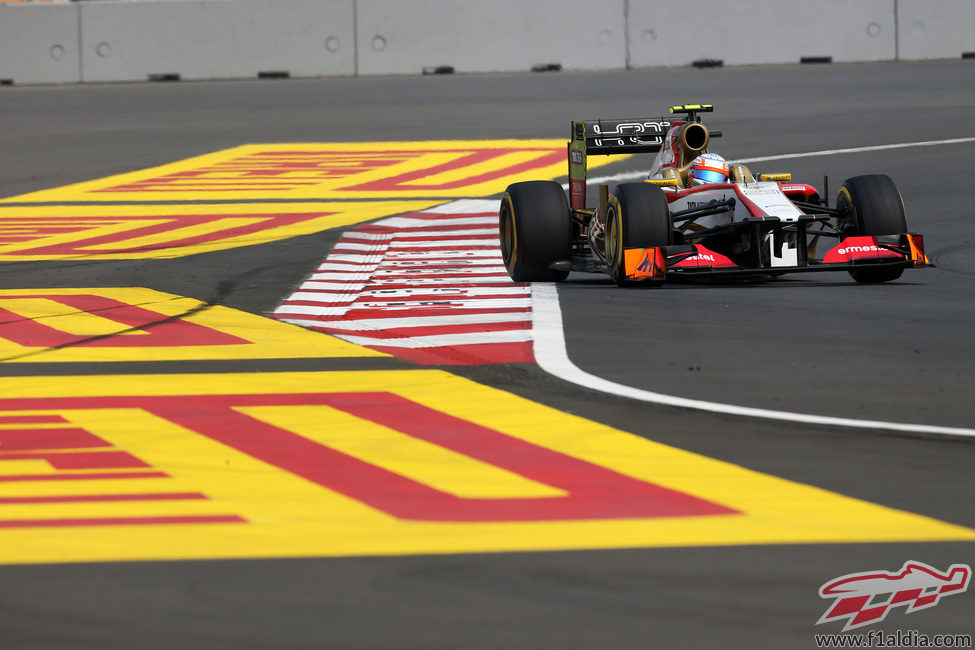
[[225, 174], [176, 234], [68, 229], [289, 516], [259, 337], [65, 318], [419, 460]]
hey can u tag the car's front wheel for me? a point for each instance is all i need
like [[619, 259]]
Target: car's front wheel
[[872, 205], [637, 216]]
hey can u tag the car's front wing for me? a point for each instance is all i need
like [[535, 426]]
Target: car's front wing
[[656, 263]]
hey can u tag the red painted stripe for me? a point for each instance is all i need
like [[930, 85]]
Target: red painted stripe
[[384, 274], [408, 237], [450, 273], [455, 283], [53, 438], [31, 419], [359, 309], [436, 294], [209, 186], [358, 259], [434, 216], [328, 320], [99, 498], [443, 223], [165, 331], [413, 179], [449, 276], [411, 233], [433, 248], [417, 238], [79, 459], [93, 476], [593, 491], [476, 354], [122, 521], [429, 330], [475, 233], [427, 311]]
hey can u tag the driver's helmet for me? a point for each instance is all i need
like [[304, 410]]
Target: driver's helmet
[[708, 168]]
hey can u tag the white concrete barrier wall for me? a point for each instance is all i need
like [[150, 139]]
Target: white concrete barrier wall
[[39, 43], [405, 36], [742, 32], [216, 39], [935, 29], [114, 40]]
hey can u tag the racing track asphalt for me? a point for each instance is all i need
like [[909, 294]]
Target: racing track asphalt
[[820, 344]]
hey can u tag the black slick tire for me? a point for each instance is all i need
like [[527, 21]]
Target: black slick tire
[[872, 205], [535, 230]]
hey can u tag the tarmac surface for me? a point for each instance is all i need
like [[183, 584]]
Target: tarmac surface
[[818, 343]]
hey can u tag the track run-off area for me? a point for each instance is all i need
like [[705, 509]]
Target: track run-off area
[[260, 360]]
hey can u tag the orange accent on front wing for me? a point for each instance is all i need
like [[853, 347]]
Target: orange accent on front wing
[[916, 243], [644, 263]]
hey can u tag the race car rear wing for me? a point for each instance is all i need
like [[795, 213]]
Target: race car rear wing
[[621, 136], [608, 137]]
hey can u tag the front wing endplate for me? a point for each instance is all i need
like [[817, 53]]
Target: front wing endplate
[[645, 263]]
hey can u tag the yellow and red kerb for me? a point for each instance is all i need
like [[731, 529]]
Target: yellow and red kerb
[[135, 324], [99, 232], [74, 454], [343, 184], [324, 171], [583, 486], [433, 170], [369, 463]]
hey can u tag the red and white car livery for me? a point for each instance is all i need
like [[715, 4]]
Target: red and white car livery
[[664, 227]]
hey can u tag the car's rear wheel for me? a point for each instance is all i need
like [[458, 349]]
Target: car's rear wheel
[[535, 230], [638, 216], [872, 205]]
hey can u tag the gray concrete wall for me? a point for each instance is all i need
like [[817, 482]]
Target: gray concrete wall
[[118, 40], [40, 43], [216, 39], [742, 32], [404, 36], [935, 29]]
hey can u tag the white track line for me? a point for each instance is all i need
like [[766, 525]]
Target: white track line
[[406, 322], [417, 224], [552, 357], [786, 156], [441, 340]]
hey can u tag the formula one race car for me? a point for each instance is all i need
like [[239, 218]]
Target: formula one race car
[[698, 216]]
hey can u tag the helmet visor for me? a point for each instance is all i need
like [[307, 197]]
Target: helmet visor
[[708, 175]]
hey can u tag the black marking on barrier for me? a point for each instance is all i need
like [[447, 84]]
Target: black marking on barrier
[[816, 59], [439, 69], [708, 63], [274, 74], [547, 67], [164, 76]]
